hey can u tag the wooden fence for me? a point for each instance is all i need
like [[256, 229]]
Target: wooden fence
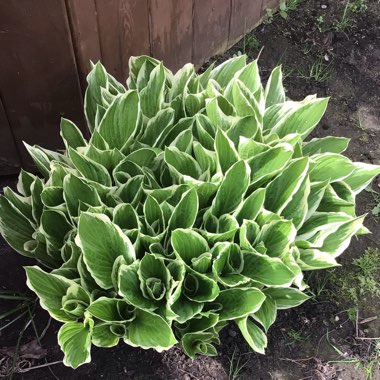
[[46, 46]]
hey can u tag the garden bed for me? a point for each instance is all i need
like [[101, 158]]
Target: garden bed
[[328, 48]]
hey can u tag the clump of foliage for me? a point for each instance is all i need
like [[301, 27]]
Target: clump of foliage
[[368, 266], [195, 202]]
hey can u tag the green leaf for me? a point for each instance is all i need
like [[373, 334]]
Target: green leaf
[[280, 191], [97, 79], [163, 120], [130, 288], [286, 298], [267, 313], [361, 176], [76, 191], [254, 336], [111, 310], [90, 169], [321, 221], [71, 134], [55, 226], [317, 190], [266, 165], [225, 149], [36, 189], [226, 71], [102, 242], [152, 211], [216, 114], [231, 192], [228, 264], [330, 166], [339, 240], [74, 338], [22, 204], [50, 289], [182, 162], [313, 259], [188, 244], [277, 237], [250, 76], [269, 271], [40, 158], [120, 122], [102, 336], [181, 80], [239, 302], [15, 227], [247, 127], [185, 212], [274, 90], [149, 330], [152, 96], [154, 277], [242, 100], [199, 343], [303, 118], [329, 144], [296, 210], [251, 207]]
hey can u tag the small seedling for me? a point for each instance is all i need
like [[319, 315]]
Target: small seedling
[[321, 24], [236, 365], [288, 6], [295, 337], [368, 266], [318, 71], [306, 50], [251, 43], [352, 313], [376, 198], [269, 16], [348, 20]]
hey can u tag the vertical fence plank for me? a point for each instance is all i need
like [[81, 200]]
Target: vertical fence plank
[[9, 157], [85, 35], [123, 31], [245, 14], [38, 74], [171, 31], [211, 28]]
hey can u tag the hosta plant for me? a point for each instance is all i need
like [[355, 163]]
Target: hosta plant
[[197, 200]]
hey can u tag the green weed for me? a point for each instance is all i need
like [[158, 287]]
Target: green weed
[[295, 337], [318, 71], [348, 19], [236, 366], [288, 6], [368, 266], [251, 43]]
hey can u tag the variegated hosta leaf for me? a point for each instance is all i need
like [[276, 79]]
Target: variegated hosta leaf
[[196, 201]]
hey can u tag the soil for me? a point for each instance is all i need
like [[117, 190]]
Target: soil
[[317, 340]]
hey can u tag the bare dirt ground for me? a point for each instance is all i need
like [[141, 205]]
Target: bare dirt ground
[[326, 47]]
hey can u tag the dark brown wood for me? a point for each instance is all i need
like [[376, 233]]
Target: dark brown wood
[[245, 15], [211, 28], [123, 31], [9, 157], [38, 73], [46, 47], [171, 30], [85, 36]]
